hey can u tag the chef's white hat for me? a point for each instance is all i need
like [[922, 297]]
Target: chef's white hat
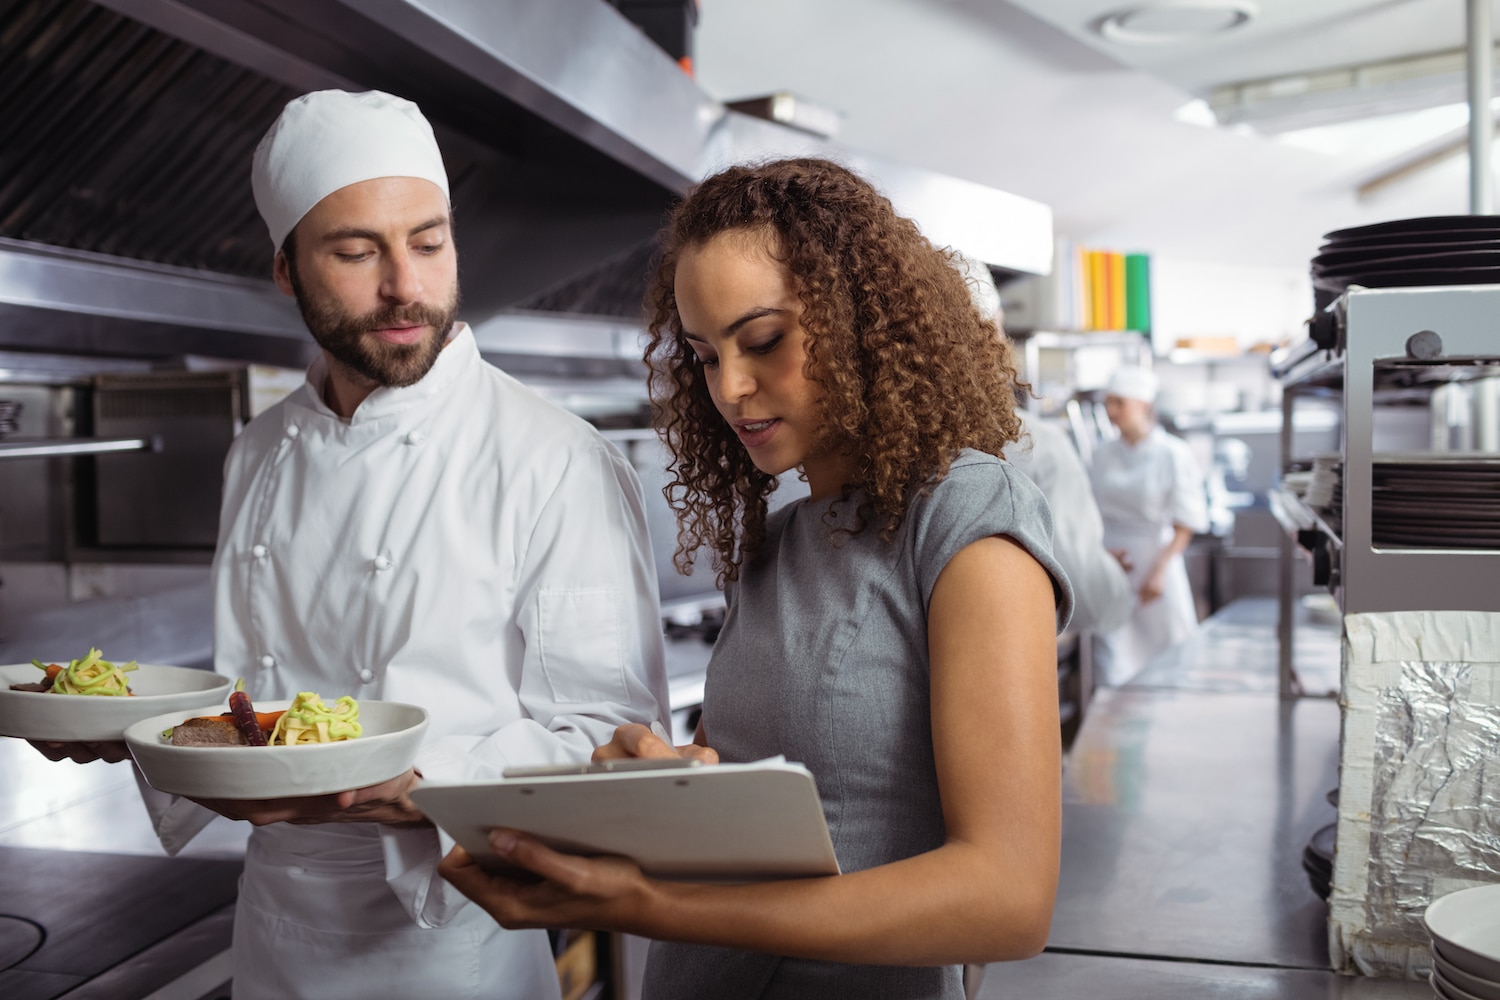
[[1132, 383], [330, 139], [981, 281]]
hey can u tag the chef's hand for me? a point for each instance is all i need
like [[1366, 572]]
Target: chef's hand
[[635, 740], [388, 802], [110, 751], [1152, 587], [549, 889], [1122, 556]]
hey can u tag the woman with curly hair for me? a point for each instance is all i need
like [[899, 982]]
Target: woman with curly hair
[[894, 631]]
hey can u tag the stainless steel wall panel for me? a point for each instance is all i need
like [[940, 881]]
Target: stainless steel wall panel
[[167, 499], [33, 490]]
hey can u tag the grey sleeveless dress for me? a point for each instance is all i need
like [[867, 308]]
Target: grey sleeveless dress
[[823, 658]]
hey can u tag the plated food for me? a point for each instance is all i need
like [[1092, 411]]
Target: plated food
[[92, 675], [305, 722], [390, 735], [49, 715]]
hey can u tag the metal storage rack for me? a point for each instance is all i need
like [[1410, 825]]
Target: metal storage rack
[[1374, 352]]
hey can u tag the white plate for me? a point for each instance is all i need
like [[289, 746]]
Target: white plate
[[35, 715], [1443, 988], [392, 735], [1467, 926], [1484, 989]]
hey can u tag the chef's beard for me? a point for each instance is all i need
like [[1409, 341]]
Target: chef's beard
[[349, 339]]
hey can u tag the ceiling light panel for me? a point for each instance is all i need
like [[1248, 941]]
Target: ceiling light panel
[[1286, 37], [1169, 22], [1348, 93]]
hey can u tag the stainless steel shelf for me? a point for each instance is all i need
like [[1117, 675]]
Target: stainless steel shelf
[[1379, 323], [1294, 515], [1371, 367], [1317, 367], [1325, 370]]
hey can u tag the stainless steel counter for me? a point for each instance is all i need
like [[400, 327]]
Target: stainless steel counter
[[1229, 653], [1091, 977], [1188, 798], [1185, 816]]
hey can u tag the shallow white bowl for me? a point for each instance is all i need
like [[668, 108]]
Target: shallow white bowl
[[34, 715], [1466, 925], [1482, 988], [392, 735]]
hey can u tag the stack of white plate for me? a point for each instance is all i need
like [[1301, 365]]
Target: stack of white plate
[[1465, 929]]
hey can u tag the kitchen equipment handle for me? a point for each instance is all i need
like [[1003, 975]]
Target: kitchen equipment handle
[[77, 446]]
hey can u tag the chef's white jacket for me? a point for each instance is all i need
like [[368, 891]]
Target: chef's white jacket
[[1102, 596], [1143, 491], [460, 544]]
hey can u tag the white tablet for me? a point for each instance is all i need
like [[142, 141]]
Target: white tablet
[[720, 823]]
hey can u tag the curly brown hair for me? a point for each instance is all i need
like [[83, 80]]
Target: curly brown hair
[[910, 371]]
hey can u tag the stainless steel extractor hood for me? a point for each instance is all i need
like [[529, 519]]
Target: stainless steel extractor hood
[[124, 157]]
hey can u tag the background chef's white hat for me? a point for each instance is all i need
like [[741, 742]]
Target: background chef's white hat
[[982, 289], [1132, 383], [330, 139]]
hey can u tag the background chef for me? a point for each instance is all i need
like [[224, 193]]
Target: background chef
[[1151, 496], [413, 525], [1102, 596]]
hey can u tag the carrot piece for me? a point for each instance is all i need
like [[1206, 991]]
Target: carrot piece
[[267, 720]]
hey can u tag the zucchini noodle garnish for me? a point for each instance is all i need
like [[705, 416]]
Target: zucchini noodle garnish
[[91, 675], [309, 720]]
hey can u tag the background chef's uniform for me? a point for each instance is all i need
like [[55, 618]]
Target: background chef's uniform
[[1102, 596], [1143, 490], [460, 544]]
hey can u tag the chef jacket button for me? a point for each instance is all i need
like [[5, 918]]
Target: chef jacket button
[[268, 661], [366, 675], [382, 563], [293, 430], [260, 551], [415, 437]]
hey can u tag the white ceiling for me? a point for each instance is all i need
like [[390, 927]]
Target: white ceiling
[[1027, 97]]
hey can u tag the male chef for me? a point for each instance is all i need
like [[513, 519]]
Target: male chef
[[410, 525]]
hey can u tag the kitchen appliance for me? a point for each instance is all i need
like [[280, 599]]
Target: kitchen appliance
[[147, 503]]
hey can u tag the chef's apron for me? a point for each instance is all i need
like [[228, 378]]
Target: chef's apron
[[316, 921], [1151, 628], [1144, 490]]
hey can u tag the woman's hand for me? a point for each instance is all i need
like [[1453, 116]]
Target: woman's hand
[[635, 740], [549, 889]]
